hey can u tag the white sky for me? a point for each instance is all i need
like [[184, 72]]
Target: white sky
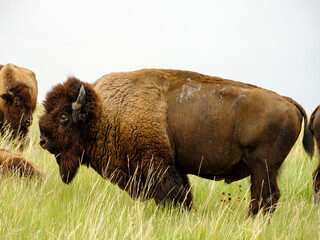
[[273, 44]]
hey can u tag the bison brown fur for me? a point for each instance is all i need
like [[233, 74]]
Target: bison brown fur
[[145, 130], [14, 163], [314, 128], [18, 91]]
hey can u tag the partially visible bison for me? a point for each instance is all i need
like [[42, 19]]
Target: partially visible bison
[[146, 130], [18, 92], [314, 127], [14, 163]]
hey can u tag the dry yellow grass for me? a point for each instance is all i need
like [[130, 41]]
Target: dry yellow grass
[[92, 208]]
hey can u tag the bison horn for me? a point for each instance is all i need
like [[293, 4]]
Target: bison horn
[[77, 105], [9, 92]]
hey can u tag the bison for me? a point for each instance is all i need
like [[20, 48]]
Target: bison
[[146, 130], [314, 128], [19, 92], [14, 163]]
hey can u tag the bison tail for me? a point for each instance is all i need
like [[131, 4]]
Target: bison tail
[[307, 141], [310, 133]]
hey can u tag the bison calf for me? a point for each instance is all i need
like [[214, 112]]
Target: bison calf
[[146, 130], [14, 163]]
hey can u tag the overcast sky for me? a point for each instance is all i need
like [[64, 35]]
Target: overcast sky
[[273, 44]]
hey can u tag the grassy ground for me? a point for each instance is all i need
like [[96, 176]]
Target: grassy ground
[[92, 208]]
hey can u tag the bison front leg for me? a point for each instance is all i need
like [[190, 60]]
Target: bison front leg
[[166, 183], [265, 192], [22, 138], [174, 186]]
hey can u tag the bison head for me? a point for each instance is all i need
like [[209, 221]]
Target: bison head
[[70, 110], [18, 107]]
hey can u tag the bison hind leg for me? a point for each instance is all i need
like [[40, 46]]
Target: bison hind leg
[[316, 185], [174, 186]]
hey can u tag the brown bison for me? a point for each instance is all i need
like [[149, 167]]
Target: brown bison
[[14, 163], [18, 91], [314, 127], [146, 130]]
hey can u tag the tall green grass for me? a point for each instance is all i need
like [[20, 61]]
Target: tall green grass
[[93, 208]]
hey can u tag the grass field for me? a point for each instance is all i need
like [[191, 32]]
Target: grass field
[[93, 208]]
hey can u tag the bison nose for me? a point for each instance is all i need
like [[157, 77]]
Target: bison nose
[[29, 122], [43, 143]]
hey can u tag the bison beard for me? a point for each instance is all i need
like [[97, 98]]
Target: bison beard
[[68, 166]]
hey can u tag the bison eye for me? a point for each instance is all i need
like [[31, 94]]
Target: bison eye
[[17, 103], [63, 119]]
